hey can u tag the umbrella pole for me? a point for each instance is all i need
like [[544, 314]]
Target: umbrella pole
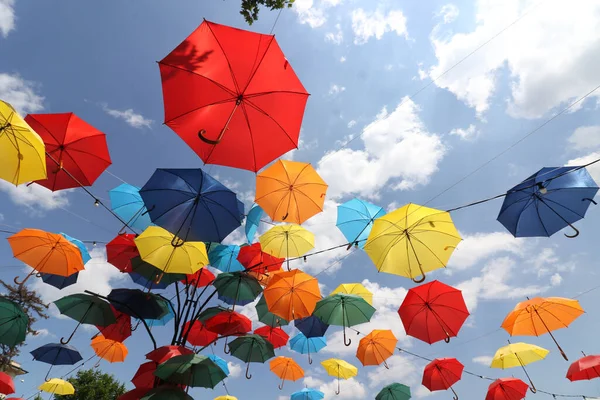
[[349, 342], [202, 132], [49, 369], [532, 387], [561, 217], [280, 386], [62, 341], [248, 375], [338, 388], [551, 335], [417, 257], [455, 395]]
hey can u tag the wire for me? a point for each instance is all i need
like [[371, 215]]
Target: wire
[[276, 20]]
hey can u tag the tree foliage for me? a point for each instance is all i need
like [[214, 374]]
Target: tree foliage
[[94, 384], [250, 8]]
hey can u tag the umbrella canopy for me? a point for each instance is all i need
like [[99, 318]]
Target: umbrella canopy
[[237, 286], [252, 222], [152, 274], [290, 191], [507, 389], [13, 323], [144, 377], [442, 373], [357, 289], [517, 355], [287, 241], [307, 394], [86, 309], [138, 304], [395, 391], [276, 336], [251, 348], [164, 353], [292, 294], [220, 363], [7, 386], [210, 312], [311, 326], [109, 350], [286, 369], [224, 258], [121, 250], [303, 345], [199, 335], [252, 102], [166, 393], [548, 201], [163, 319], [22, 151], [412, 241], [254, 259], [433, 312], [541, 315], [267, 317], [191, 370], [147, 283], [58, 281], [585, 368], [340, 369], [376, 347], [57, 386], [56, 354], [229, 323], [226, 397], [76, 152], [355, 220], [126, 202], [85, 254], [201, 278]]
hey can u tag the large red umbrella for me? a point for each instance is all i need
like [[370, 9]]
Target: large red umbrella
[[144, 377], [433, 312], [202, 277], [121, 250], [76, 152], [585, 368], [442, 373], [229, 323], [276, 336], [135, 394], [7, 386], [120, 330], [254, 259], [232, 96], [165, 353], [199, 335], [507, 389]]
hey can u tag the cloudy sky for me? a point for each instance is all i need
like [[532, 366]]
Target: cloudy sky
[[426, 97]]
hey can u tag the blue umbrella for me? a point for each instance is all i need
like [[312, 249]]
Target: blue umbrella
[[56, 354], [304, 345], [163, 320], [252, 222], [311, 326], [146, 283], [192, 205], [308, 394], [224, 258], [355, 220], [126, 202], [548, 201], [59, 281], [220, 363], [85, 254], [233, 302]]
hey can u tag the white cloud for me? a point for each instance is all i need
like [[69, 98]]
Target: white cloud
[[402, 369], [397, 147], [21, 94], [585, 138], [7, 16], [448, 12], [290, 155], [466, 133], [342, 59], [336, 89], [350, 389], [130, 117], [478, 247], [351, 123], [375, 24], [336, 37], [594, 169], [556, 279], [313, 12], [483, 360], [235, 370], [35, 198]]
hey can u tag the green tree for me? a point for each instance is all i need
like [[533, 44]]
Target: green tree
[[38, 397], [94, 384], [250, 7]]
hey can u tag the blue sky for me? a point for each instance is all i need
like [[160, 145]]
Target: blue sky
[[359, 60]]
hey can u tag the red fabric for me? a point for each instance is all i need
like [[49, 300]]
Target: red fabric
[[121, 250], [442, 373], [14, 398], [229, 323], [585, 368], [7, 386], [204, 77], [199, 335], [433, 312], [144, 377], [165, 353], [254, 259], [77, 146], [507, 389], [203, 277], [120, 330], [276, 336], [135, 394]]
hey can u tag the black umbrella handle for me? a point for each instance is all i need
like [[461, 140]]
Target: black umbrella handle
[[590, 200], [248, 374]]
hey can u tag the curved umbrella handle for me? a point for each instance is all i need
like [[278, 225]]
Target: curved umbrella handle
[[590, 200], [280, 386], [136, 326], [16, 280], [338, 388], [532, 388], [385, 364], [225, 349], [38, 275], [419, 280], [576, 232], [309, 359], [248, 374], [455, 397], [201, 135], [349, 342], [48, 374], [287, 214]]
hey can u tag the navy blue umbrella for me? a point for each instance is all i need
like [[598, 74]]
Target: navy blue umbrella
[[192, 205], [311, 326], [548, 201], [58, 281], [56, 354], [147, 283], [138, 304]]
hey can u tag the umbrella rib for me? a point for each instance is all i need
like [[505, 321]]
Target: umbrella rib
[[259, 94], [248, 102], [47, 130], [220, 86], [545, 200], [258, 65]]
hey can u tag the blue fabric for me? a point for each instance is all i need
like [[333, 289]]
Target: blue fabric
[[162, 321], [85, 254], [224, 258], [126, 202], [355, 220], [220, 363], [231, 301], [311, 326], [57, 354], [252, 222], [304, 345], [308, 394], [192, 205], [146, 283], [528, 212], [59, 281]]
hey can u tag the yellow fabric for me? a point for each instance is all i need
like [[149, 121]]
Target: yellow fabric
[[228, 397], [356, 289], [57, 386], [541, 314], [290, 191], [518, 355], [22, 151], [339, 368], [110, 350], [156, 247], [412, 240], [286, 368], [287, 241]]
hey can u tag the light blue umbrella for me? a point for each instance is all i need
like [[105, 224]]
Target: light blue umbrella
[[308, 394], [303, 345], [355, 220], [85, 254], [252, 221], [126, 202], [224, 258], [220, 363]]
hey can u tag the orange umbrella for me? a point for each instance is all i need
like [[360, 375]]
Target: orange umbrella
[[542, 315], [287, 369], [292, 294], [376, 347], [110, 350], [46, 252], [290, 191]]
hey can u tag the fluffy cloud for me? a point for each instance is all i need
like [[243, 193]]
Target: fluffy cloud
[[466, 133], [7, 16], [366, 25], [336, 89], [350, 389], [35, 198], [402, 369], [235, 370], [397, 147], [336, 37], [585, 138], [130, 117], [351, 123], [594, 169], [313, 12], [478, 247], [448, 13], [483, 360], [21, 94]]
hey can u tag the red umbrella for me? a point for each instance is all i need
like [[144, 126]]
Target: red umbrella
[[199, 335], [232, 96], [254, 259], [276, 336], [585, 368], [7, 386], [120, 330], [144, 377], [507, 389], [121, 250], [74, 149], [229, 323], [135, 394], [203, 277], [14, 398], [165, 353], [433, 312], [442, 373]]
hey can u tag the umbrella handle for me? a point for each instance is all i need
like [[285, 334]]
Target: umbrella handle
[[48, 373], [447, 339], [455, 397], [576, 232], [532, 387], [285, 216], [225, 349], [38, 275], [349, 342], [248, 374], [148, 210], [590, 200], [16, 280], [385, 364], [136, 326], [280, 386], [419, 280], [309, 359], [337, 392], [201, 134]]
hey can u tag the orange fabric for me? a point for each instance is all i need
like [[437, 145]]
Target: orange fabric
[[293, 294], [540, 315], [46, 252], [286, 368], [110, 350], [376, 347], [290, 191]]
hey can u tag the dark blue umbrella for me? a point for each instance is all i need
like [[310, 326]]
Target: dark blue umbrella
[[138, 304], [311, 326], [548, 201], [192, 205], [59, 281], [56, 354], [147, 283]]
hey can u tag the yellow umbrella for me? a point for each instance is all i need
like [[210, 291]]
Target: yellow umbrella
[[228, 397], [169, 253], [22, 151], [57, 386], [356, 289], [518, 355], [340, 369], [287, 241], [411, 241]]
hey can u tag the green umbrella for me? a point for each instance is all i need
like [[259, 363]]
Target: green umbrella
[[166, 393], [191, 370], [344, 310], [13, 323], [237, 286], [251, 348], [85, 309], [151, 273], [210, 312], [395, 391], [267, 317]]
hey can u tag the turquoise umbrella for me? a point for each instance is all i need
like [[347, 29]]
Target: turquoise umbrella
[[304, 345], [126, 202], [85, 254], [252, 222], [224, 258], [355, 219], [308, 394]]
